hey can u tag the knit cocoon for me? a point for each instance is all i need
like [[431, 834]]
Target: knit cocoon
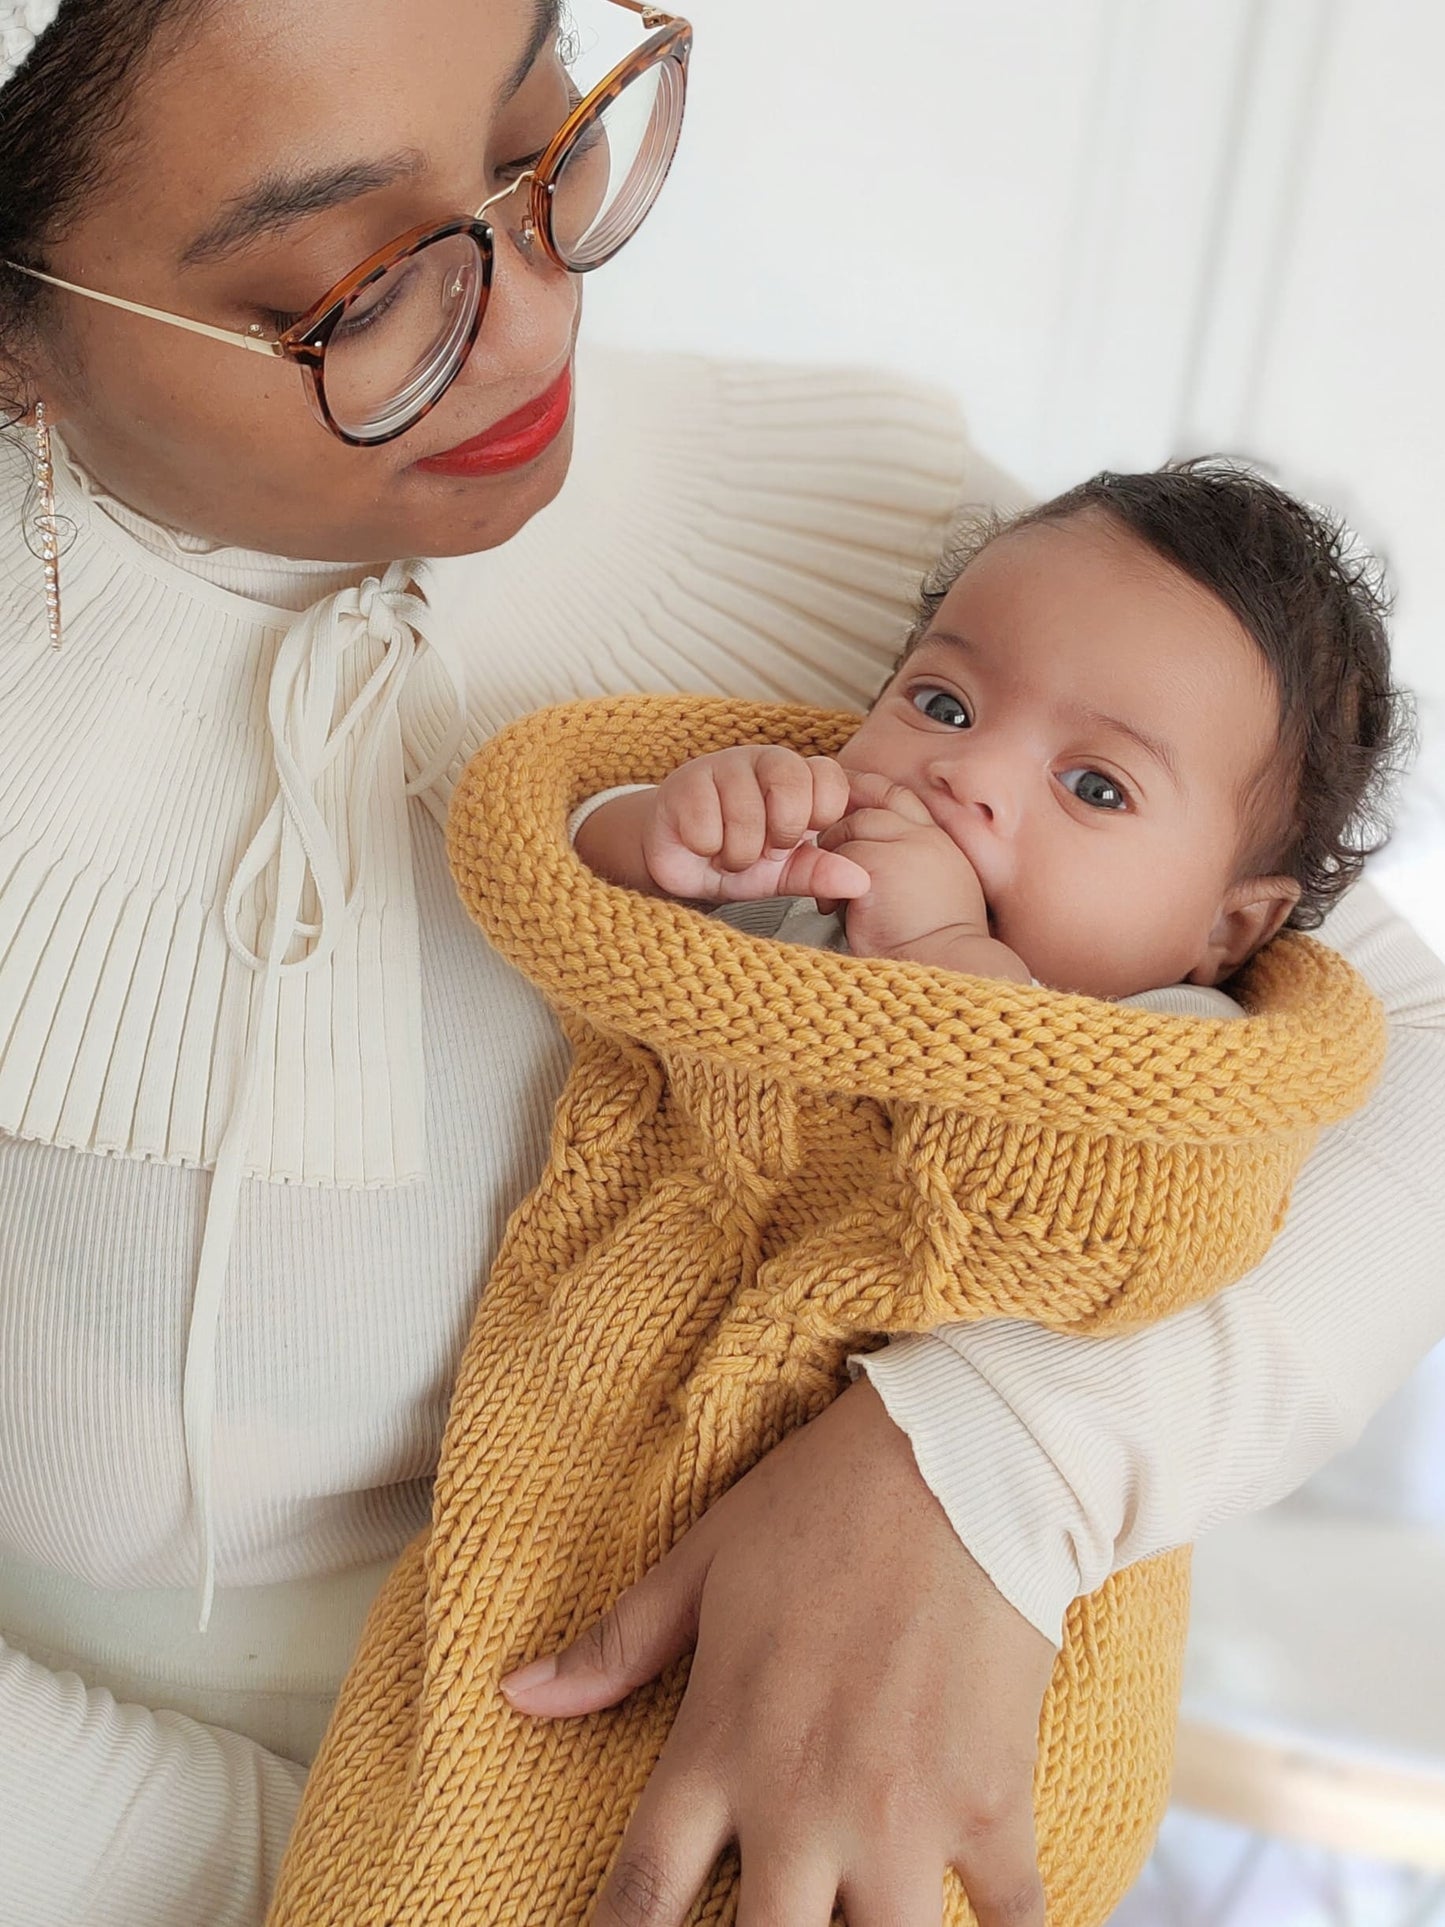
[[765, 1158]]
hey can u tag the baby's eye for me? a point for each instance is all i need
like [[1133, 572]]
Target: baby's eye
[[1091, 786], [940, 707]]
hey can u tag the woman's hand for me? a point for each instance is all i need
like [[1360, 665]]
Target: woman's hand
[[863, 1705]]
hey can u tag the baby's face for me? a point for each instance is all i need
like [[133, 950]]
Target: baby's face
[[1089, 725]]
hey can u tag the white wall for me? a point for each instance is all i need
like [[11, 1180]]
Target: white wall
[[1117, 229], [920, 187], [1338, 371]]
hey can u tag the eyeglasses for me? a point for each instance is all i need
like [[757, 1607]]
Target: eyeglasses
[[379, 350]]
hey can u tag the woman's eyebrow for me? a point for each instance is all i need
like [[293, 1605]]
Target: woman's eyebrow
[[277, 199], [546, 23]]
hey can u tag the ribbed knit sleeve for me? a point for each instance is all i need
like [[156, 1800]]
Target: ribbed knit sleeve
[[128, 1815], [1060, 1459]]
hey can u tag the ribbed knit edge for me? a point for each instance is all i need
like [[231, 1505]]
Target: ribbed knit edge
[[898, 1032]]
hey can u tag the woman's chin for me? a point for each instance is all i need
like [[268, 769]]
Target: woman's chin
[[459, 515]]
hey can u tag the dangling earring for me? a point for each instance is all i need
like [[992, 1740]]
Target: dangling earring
[[45, 523]]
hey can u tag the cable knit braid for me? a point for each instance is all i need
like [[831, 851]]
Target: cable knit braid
[[767, 1157]]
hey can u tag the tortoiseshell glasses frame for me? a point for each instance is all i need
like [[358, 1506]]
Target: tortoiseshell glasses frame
[[668, 49]]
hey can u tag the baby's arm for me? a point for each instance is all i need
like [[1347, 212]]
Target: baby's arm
[[745, 823], [727, 828]]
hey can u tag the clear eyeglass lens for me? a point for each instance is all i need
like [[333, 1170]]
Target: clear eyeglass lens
[[616, 168], [403, 338]]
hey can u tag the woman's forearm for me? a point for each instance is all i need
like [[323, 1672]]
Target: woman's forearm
[[1059, 1458]]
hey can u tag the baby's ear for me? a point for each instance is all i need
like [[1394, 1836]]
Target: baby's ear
[[1252, 912]]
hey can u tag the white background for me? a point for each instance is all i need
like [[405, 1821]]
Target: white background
[[1116, 229]]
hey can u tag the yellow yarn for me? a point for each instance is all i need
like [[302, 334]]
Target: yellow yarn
[[767, 1157]]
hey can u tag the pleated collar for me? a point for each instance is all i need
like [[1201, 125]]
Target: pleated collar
[[206, 898]]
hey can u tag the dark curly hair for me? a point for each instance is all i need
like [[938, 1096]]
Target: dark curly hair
[[1316, 604], [62, 121]]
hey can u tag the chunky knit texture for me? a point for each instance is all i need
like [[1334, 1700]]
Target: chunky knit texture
[[765, 1158]]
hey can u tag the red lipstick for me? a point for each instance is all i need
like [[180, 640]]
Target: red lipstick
[[512, 442]]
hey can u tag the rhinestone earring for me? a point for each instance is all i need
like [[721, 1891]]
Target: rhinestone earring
[[45, 523]]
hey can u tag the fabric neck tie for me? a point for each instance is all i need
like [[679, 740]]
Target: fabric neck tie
[[310, 875]]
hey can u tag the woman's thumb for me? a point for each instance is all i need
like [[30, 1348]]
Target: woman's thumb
[[652, 1624]]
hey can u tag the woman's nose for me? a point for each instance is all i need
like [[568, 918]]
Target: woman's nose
[[531, 310]]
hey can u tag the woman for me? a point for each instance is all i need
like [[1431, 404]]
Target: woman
[[266, 1099]]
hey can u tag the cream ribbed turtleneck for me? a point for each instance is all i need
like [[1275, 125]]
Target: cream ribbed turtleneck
[[752, 531], [241, 989]]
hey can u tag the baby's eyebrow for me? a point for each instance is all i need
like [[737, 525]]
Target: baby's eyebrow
[[1152, 745]]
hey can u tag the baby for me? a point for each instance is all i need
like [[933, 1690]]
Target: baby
[[1128, 740], [1134, 732]]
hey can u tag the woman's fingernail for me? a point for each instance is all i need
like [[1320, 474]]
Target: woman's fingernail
[[526, 1677]]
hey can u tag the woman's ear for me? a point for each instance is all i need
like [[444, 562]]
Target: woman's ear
[[1252, 912]]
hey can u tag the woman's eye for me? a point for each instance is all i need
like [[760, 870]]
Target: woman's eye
[[940, 707], [372, 305], [514, 170], [1091, 786]]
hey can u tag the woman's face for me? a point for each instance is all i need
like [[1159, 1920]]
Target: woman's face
[[268, 155]]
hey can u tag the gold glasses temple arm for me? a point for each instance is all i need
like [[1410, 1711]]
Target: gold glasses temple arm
[[258, 344], [651, 16]]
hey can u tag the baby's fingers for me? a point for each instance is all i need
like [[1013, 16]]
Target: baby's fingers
[[877, 825], [867, 790], [800, 795], [741, 784], [814, 872], [831, 792], [689, 808]]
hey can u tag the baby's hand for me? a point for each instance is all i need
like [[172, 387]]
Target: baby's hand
[[740, 824], [924, 901]]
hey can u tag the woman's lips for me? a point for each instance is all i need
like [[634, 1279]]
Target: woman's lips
[[512, 442]]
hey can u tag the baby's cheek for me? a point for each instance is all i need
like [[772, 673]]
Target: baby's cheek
[[1111, 930]]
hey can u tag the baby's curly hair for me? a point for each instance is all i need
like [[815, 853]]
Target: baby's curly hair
[[1315, 603]]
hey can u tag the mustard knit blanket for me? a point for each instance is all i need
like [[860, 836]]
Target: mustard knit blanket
[[766, 1157]]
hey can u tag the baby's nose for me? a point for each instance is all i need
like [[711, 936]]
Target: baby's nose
[[979, 780]]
